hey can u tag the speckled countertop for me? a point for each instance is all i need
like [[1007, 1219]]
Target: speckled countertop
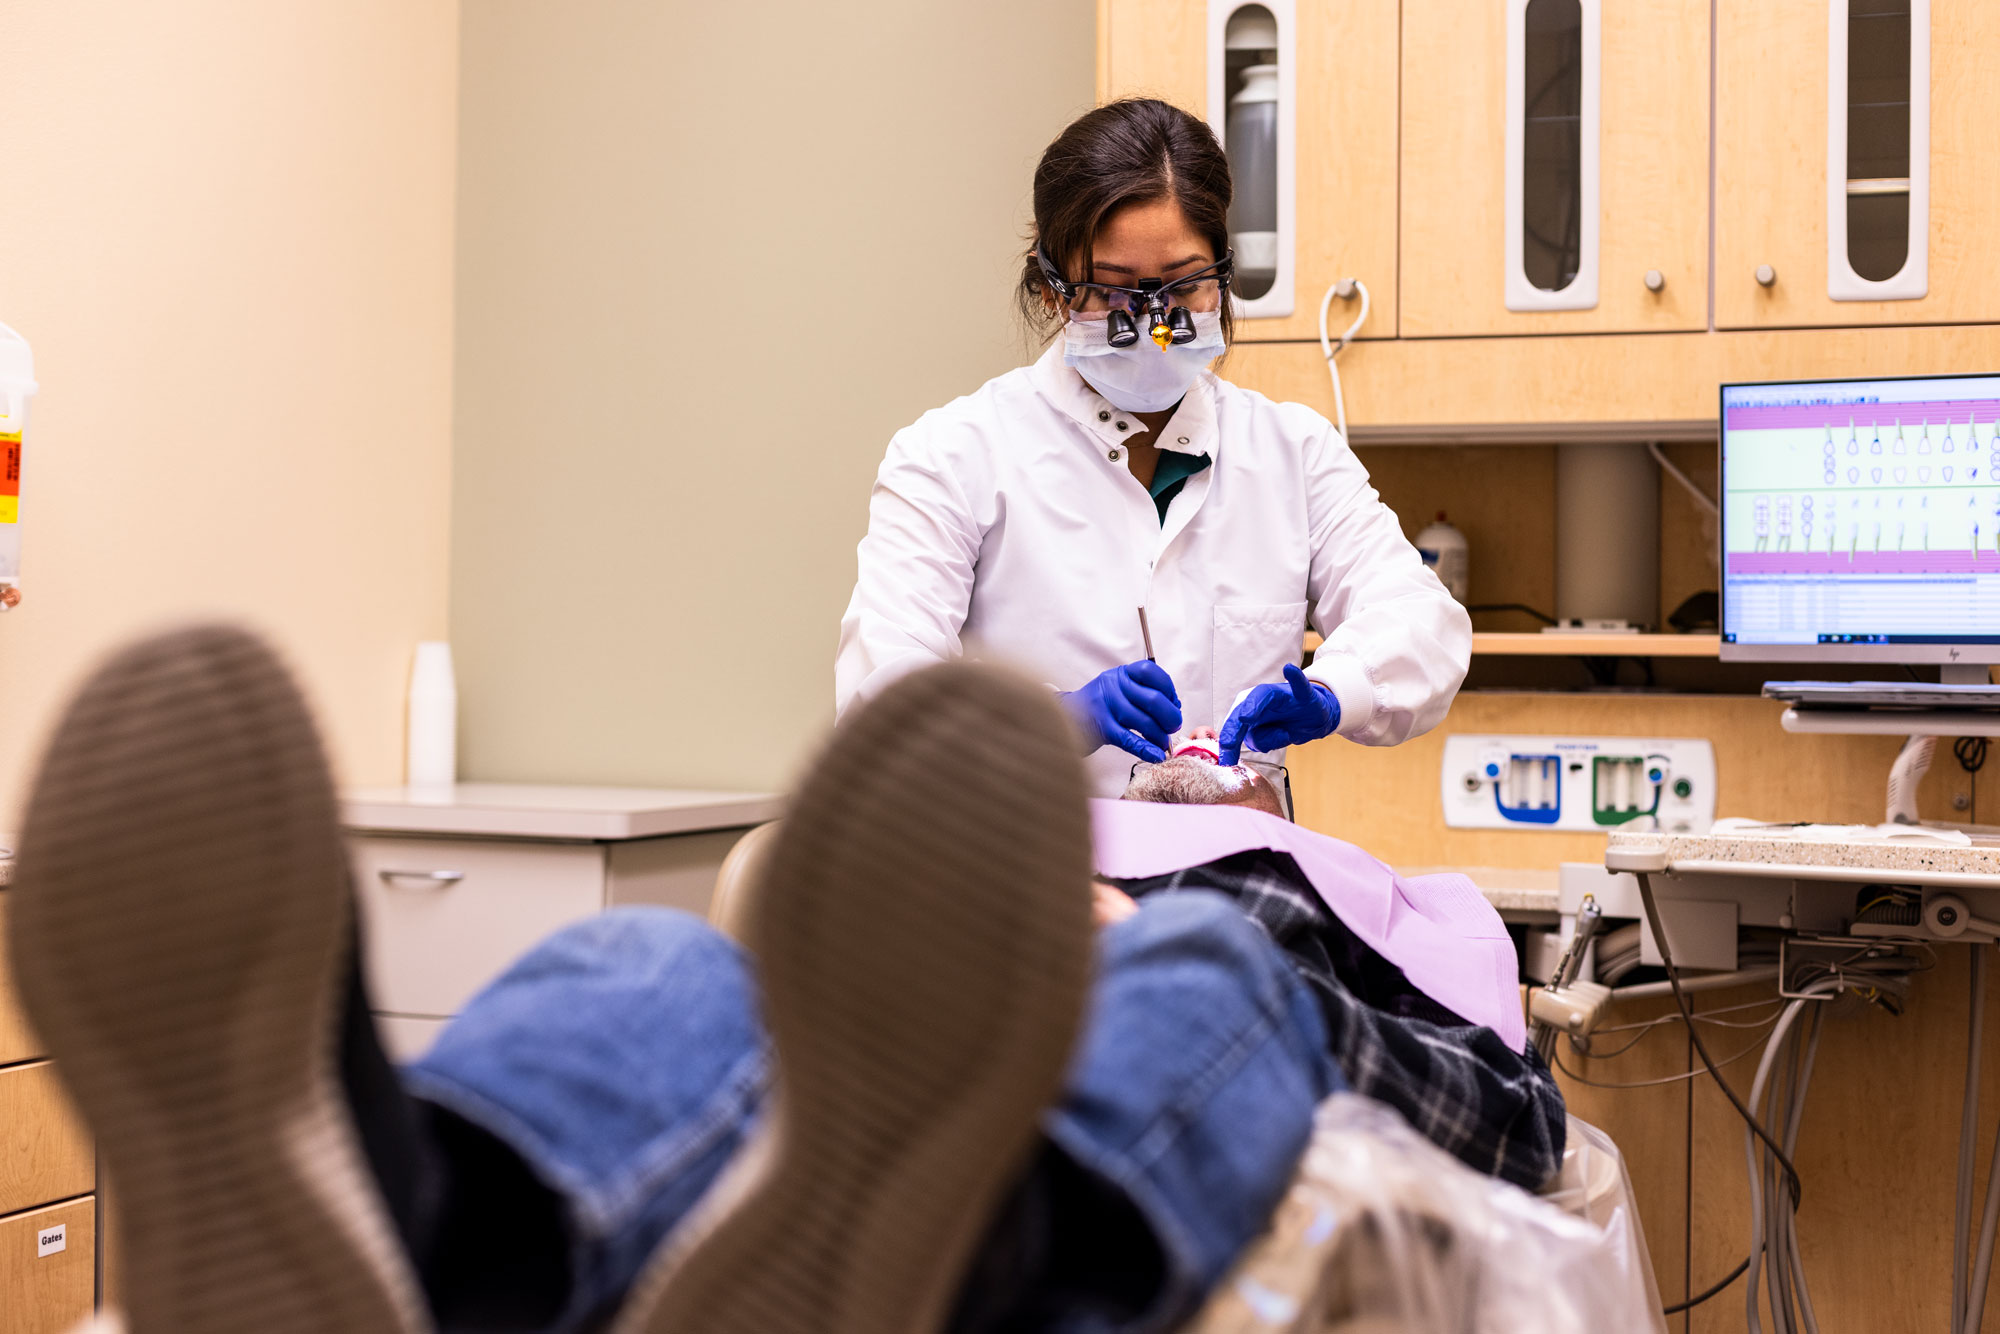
[[1509, 889], [1824, 846]]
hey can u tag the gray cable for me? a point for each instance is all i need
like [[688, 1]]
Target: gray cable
[[1975, 1302], [1756, 1170], [1777, 1271], [1750, 1158], [1968, 1122], [1794, 1070], [1806, 1314]]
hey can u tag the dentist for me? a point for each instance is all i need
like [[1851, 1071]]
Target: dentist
[[1032, 520]]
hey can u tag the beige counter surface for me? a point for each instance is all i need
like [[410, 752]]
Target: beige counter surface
[[1842, 852], [1510, 889]]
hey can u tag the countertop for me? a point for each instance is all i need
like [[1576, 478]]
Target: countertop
[[1845, 852], [523, 810], [1507, 888]]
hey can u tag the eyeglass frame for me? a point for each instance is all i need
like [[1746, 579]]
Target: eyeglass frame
[[1284, 772], [1153, 295]]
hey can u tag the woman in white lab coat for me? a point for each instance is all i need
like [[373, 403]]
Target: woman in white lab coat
[[1034, 519]]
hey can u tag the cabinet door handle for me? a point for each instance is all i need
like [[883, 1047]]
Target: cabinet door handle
[[429, 879], [1766, 275], [1655, 280]]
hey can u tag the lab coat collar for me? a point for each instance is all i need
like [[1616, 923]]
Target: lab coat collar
[[1191, 430]]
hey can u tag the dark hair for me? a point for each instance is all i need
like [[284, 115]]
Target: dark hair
[[1132, 151]]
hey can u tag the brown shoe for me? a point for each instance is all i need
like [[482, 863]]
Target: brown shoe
[[178, 928], [923, 939]]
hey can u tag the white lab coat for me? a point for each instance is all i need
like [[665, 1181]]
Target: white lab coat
[[1007, 525]]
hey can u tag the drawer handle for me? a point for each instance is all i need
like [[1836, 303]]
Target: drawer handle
[[430, 879]]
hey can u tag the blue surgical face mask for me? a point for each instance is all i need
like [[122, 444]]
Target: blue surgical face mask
[[1143, 377]]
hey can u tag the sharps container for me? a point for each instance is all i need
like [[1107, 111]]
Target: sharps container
[[17, 387]]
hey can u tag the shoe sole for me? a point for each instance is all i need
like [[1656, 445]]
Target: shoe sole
[[178, 932], [923, 938]]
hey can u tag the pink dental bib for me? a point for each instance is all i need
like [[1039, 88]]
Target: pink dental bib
[[1438, 929]]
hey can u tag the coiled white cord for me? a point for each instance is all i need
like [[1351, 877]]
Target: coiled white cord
[[1345, 290], [1912, 763]]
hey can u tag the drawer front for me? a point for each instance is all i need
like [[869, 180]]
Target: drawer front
[[45, 1154], [48, 1268], [444, 916], [16, 1042]]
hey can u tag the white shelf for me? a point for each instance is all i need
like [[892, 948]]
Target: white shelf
[[1598, 645], [1586, 645], [1891, 722]]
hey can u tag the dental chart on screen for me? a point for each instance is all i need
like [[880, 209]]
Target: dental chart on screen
[[1862, 512]]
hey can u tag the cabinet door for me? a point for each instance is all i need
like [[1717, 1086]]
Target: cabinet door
[[48, 1282], [1652, 163], [17, 1043], [1346, 139], [1771, 206], [45, 1152], [445, 916]]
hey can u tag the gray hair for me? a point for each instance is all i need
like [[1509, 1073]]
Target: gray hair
[[1186, 782]]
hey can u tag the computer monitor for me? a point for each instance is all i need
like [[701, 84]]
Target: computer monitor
[[1861, 521]]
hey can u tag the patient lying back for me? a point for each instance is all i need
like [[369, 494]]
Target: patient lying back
[[1496, 1109], [1192, 777]]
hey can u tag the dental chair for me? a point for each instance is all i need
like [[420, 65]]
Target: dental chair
[[1382, 1232]]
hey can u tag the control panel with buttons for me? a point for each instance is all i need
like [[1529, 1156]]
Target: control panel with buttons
[[1578, 783]]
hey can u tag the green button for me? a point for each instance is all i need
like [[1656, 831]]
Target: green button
[[1683, 789]]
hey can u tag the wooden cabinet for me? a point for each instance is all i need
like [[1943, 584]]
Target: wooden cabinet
[[48, 1252], [1713, 140], [1771, 108], [1346, 145], [17, 1043], [1652, 160], [45, 1153], [48, 1268]]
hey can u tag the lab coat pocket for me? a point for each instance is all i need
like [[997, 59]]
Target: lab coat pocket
[[1253, 642]]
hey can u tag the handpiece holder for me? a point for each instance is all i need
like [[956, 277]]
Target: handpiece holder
[[1949, 916]]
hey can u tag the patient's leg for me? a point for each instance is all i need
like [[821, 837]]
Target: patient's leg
[[1188, 1104], [182, 935], [616, 1068]]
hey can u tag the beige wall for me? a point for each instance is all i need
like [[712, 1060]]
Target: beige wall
[[225, 225], [710, 257]]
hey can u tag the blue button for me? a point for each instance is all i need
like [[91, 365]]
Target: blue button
[[1492, 770]]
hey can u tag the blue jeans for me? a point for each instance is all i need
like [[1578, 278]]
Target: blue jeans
[[623, 1060]]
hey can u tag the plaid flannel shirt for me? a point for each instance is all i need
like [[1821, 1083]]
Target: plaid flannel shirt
[[1494, 1109]]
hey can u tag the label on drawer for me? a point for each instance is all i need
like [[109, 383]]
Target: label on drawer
[[51, 1239]]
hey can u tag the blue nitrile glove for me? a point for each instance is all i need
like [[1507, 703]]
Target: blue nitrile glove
[[1134, 707], [1301, 710]]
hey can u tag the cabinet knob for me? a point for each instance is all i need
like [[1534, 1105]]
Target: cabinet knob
[[1766, 275], [1655, 280]]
